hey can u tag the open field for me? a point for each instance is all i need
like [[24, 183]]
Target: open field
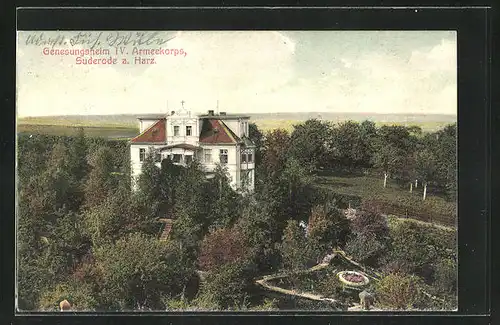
[[126, 126], [396, 200], [109, 132], [267, 125]]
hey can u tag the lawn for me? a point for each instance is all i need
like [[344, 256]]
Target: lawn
[[395, 199]]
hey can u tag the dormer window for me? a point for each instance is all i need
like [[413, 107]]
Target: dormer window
[[176, 130], [189, 129]]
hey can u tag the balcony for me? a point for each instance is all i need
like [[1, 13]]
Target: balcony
[[245, 165]]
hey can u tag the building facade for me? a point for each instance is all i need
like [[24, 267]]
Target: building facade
[[211, 139]]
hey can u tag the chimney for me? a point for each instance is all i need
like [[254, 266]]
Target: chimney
[[211, 112], [222, 113]]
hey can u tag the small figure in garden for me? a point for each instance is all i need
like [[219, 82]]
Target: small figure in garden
[[366, 299], [65, 305]]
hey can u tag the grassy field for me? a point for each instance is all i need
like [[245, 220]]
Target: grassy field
[[398, 198], [109, 132], [127, 126], [268, 125]]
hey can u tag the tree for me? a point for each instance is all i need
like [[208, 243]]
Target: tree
[[327, 228], [308, 143], [294, 246], [426, 166], [368, 134], [100, 181], [78, 166], [261, 231], [228, 286], [139, 270], [297, 184], [222, 246], [347, 144], [393, 147], [257, 137], [275, 153], [226, 202], [446, 156], [149, 182], [193, 204], [370, 239]]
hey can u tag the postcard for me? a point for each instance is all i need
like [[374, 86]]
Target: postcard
[[236, 171]]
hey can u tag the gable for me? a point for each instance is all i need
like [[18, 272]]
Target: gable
[[214, 131], [156, 133]]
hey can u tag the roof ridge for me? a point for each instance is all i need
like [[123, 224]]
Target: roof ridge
[[228, 131]]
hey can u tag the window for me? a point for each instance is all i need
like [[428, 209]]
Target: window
[[188, 159], [247, 156], [142, 154], [207, 155], [176, 130], [177, 158], [223, 156], [188, 130], [157, 156]]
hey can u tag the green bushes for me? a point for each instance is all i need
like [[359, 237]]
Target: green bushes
[[398, 291], [138, 271], [369, 241], [295, 249], [222, 246], [226, 286]]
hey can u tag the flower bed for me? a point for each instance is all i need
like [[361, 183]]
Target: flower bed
[[353, 278]]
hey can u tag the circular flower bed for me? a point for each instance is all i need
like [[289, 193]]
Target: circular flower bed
[[353, 278]]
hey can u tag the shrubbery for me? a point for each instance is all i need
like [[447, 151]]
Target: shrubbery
[[222, 246], [399, 291]]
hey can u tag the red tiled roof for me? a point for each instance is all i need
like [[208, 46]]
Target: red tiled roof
[[215, 131], [155, 133]]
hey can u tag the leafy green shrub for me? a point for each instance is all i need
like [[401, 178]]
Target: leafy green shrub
[[226, 286], [294, 247], [445, 276], [224, 245], [80, 296], [366, 248], [399, 291], [138, 271], [330, 286], [328, 227], [370, 222], [267, 305]]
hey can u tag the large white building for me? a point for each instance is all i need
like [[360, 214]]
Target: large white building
[[212, 138]]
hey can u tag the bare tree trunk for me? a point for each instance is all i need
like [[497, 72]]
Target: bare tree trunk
[[385, 179], [425, 191], [411, 187]]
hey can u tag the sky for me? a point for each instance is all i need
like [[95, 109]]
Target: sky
[[386, 72]]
